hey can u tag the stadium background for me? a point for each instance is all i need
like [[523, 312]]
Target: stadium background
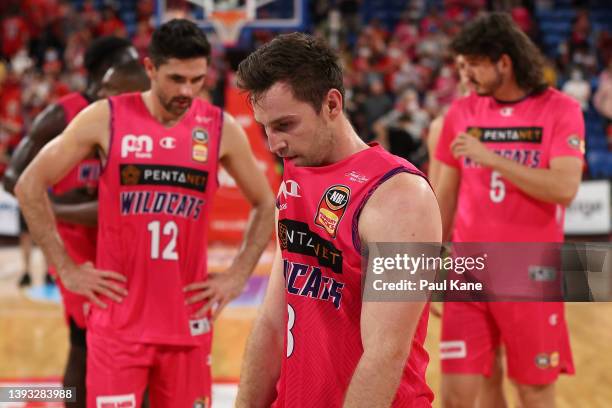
[[398, 75]]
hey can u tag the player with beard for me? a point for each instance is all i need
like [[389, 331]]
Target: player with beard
[[511, 158], [153, 301]]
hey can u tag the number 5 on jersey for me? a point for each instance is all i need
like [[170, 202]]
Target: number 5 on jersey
[[170, 229], [498, 188]]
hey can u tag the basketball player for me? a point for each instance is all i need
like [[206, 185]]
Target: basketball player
[[435, 128], [130, 75], [510, 182], [74, 197], [152, 299], [339, 194], [491, 392]]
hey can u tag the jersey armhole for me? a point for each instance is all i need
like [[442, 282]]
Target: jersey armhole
[[111, 135], [385, 177]]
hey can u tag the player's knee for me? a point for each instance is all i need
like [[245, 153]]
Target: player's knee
[[536, 396], [459, 391]]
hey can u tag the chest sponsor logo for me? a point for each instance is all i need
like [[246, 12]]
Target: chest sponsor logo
[[168, 142], [332, 207], [507, 135], [140, 146], [158, 175], [199, 145], [296, 237]]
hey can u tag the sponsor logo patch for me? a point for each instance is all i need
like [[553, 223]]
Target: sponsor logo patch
[[332, 207], [575, 143], [168, 142], [453, 349], [158, 175], [116, 401], [554, 359], [542, 361], [140, 146], [199, 146], [507, 135], [199, 327], [296, 237], [202, 402]]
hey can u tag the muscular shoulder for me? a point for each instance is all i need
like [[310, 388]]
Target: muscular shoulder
[[92, 124], [48, 124], [232, 135], [402, 208]]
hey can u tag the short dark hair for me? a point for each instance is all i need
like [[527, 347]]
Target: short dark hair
[[102, 53], [135, 73], [495, 34], [308, 65], [178, 38]]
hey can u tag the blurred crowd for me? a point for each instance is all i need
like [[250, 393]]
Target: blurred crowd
[[398, 76]]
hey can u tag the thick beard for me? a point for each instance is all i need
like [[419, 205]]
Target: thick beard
[[494, 86]]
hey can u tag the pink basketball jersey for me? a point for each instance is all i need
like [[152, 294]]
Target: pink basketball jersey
[[155, 194], [531, 132], [319, 210]]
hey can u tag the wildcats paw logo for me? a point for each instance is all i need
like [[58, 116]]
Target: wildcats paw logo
[[332, 207]]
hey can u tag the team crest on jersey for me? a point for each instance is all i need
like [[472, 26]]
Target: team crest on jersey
[[575, 143], [130, 175], [332, 207], [199, 146]]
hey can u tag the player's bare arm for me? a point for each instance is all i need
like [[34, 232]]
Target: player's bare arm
[[433, 135], [237, 158], [88, 131], [557, 184], [46, 126], [447, 189], [387, 328], [264, 349]]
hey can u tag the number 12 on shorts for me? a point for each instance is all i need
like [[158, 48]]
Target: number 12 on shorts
[[170, 229]]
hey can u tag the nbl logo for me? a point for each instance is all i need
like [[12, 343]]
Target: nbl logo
[[336, 198], [141, 146], [332, 207]]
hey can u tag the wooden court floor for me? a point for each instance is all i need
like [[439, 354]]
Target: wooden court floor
[[33, 338]]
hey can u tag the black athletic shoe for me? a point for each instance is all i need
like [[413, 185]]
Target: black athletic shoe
[[49, 279], [26, 280]]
